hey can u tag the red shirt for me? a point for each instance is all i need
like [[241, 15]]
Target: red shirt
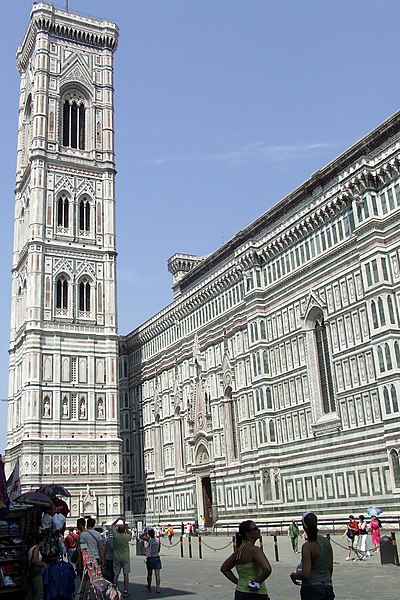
[[70, 540]]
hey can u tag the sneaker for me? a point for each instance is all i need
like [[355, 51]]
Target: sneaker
[[347, 558], [125, 592]]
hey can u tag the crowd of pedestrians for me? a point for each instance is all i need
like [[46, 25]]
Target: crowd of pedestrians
[[356, 534]]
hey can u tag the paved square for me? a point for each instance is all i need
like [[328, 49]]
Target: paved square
[[195, 579]]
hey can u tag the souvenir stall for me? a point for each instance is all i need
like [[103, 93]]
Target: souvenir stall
[[16, 532]]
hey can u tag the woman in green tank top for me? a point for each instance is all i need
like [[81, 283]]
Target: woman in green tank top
[[316, 567], [250, 562]]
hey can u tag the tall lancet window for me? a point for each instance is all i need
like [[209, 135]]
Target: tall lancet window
[[84, 297], [84, 215], [62, 294], [63, 212], [324, 366], [74, 121]]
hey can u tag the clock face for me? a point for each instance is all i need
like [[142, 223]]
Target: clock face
[[200, 420]]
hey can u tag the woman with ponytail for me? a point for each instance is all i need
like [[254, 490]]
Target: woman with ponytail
[[250, 562], [316, 567]]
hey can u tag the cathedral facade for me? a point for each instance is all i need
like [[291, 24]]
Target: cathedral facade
[[63, 418], [270, 385]]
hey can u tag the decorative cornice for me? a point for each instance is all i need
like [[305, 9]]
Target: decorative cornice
[[65, 25]]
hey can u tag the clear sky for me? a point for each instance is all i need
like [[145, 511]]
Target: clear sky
[[222, 108]]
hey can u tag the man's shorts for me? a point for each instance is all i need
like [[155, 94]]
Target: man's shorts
[[121, 564]]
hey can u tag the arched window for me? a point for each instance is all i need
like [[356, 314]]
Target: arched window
[[388, 357], [381, 312], [393, 394], [380, 360], [324, 365], [374, 315], [265, 361], [63, 211], [387, 401], [272, 435], [84, 296], [84, 215], [269, 397], [397, 353], [74, 121], [395, 467], [62, 293], [391, 311]]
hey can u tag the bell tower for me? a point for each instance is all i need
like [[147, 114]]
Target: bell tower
[[63, 414]]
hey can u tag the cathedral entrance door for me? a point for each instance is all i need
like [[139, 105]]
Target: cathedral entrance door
[[207, 501]]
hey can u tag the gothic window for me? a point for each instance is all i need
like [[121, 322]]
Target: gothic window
[[84, 296], [393, 394], [84, 215], [63, 211], [380, 360], [74, 121], [395, 467], [272, 435], [267, 486], [374, 315], [269, 397], [62, 293], [324, 366], [391, 311], [386, 400], [381, 312], [388, 357], [397, 353]]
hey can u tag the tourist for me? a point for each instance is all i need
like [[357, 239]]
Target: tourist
[[316, 567], [293, 533], [351, 534], [36, 568], [153, 561], [170, 534], [250, 562], [121, 539], [363, 535], [375, 525], [71, 540], [93, 541]]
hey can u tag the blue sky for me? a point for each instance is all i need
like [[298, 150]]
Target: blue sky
[[222, 108]]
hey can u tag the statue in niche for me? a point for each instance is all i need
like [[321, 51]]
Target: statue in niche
[[65, 408], [46, 407], [82, 409], [100, 408]]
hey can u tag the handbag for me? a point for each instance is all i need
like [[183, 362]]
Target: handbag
[[147, 551]]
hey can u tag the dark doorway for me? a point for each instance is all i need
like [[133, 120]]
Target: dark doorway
[[207, 502]]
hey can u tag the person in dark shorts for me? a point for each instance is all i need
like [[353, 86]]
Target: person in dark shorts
[[315, 570], [153, 561]]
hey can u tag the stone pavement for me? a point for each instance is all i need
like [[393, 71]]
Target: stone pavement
[[195, 579]]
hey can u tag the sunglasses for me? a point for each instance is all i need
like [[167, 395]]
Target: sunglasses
[[253, 529]]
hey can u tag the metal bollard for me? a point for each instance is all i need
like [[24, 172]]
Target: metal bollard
[[200, 548], [234, 543], [181, 545], [328, 537], [395, 552], [261, 543], [276, 548], [190, 546]]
